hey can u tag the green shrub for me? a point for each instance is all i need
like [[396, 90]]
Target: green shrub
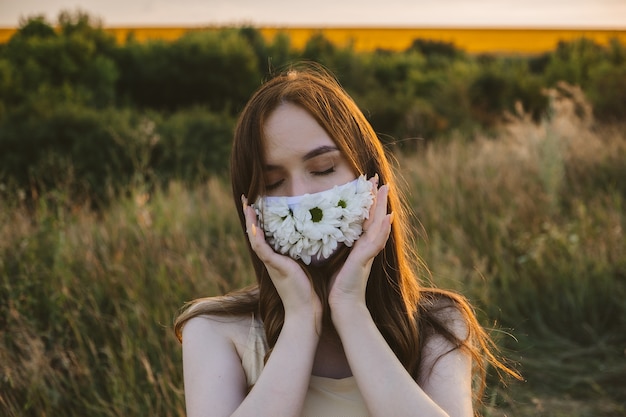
[[607, 92], [75, 63], [97, 154], [216, 69], [67, 145], [193, 145]]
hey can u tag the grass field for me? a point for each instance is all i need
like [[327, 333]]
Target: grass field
[[488, 40], [530, 226]]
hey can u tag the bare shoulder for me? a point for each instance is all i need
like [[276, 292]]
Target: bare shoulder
[[447, 328], [213, 375], [445, 369], [224, 325], [447, 313], [204, 328]]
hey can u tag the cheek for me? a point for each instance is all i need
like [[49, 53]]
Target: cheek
[[347, 169], [346, 173]]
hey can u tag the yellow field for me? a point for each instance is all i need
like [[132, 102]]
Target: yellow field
[[470, 40], [525, 41]]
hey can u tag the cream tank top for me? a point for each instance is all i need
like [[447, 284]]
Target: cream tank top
[[326, 397]]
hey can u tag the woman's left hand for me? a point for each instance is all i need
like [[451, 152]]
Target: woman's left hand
[[348, 287]]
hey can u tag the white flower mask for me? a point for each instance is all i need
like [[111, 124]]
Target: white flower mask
[[311, 226]]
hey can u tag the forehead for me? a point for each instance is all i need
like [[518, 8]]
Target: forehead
[[290, 130]]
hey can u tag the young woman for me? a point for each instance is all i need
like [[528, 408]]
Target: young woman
[[337, 324]]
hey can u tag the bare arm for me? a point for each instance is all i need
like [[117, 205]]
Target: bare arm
[[444, 385], [446, 374], [387, 388], [215, 383], [214, 380]]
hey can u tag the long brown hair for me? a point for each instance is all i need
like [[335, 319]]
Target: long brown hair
[[403, 311]]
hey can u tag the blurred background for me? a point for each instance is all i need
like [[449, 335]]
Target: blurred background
[[506, 119]]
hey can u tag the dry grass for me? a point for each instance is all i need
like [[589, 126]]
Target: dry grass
[[88, 300], [531, 227]]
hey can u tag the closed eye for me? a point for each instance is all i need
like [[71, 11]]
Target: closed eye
[[274, 185], [326, 172]]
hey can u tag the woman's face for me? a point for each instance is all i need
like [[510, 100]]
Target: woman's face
[[301, 157]]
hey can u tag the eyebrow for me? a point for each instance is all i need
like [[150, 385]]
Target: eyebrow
[[319, 151], [309, 155]]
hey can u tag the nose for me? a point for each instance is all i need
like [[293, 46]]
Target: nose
[[300, 186]]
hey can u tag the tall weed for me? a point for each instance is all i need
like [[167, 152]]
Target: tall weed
[[87, 300], [531, 227]]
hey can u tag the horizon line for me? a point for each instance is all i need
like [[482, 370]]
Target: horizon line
[[347, 26]]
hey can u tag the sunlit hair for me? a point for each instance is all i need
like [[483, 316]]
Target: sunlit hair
[[404, 313]]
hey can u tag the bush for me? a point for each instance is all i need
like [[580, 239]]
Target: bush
[[607, 92], [598, 70], [499, 86], [68, 145], [217, 69], [75, 64], [97, 154], [193, 145]]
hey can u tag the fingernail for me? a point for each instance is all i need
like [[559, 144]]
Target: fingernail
[[244, 200], [253, 228], [376, 178]]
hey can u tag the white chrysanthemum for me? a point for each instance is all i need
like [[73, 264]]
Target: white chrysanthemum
[[312, 226], [355, 203], [277, 216], [351, 232]]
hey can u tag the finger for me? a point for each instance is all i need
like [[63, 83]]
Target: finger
[[255, 234], [378, 211], [256, 237], [368, 220], [376, 232], [374, 180], [249, 215]]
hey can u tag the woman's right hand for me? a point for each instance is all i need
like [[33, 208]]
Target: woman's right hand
[[291, 282]]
